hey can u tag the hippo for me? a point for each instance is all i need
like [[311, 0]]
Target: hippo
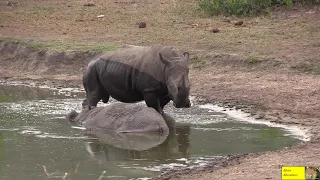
[[120, 118], [156, 74]]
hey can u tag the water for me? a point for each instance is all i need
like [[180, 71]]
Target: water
[[36, 142]]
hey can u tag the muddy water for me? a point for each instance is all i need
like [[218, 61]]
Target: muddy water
[[36, 142]]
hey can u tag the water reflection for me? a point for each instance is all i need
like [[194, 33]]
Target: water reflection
[[151, 146], [130, 141]]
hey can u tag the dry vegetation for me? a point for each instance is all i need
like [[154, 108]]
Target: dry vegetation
[[288, 36]]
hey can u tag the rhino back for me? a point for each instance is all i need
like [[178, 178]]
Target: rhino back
[[125, 118], [126, 83], [145, 120], [144, 59]]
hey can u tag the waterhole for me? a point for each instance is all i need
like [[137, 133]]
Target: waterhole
[[36, 142]]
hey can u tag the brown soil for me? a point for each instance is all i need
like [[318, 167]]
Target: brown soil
[[270, 64]]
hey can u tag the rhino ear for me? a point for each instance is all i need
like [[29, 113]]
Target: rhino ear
[[164, 59], [186, 55]]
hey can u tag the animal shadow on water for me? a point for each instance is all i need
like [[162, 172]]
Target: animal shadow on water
[[123, 146]]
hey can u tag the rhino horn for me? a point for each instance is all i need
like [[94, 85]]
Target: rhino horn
[[164, 59], [183, 82]]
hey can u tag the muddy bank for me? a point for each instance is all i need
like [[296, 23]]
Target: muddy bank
[[26, 62]]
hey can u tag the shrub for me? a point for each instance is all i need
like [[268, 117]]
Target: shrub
[[244, 7]]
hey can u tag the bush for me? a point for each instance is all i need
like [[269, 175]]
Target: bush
[[244, 7]]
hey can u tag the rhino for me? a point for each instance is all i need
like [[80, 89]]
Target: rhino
[[156, 74], [120, 118]]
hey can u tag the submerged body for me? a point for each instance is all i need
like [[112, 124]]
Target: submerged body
[[156, 74], [120, 118]]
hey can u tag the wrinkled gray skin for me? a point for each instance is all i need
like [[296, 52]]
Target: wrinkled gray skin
[[120, 118], [156, 74]]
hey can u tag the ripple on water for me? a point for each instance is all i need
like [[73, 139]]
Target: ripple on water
[[239, 115], [53, 136], [44, 107], [227, 129], [29, 130]]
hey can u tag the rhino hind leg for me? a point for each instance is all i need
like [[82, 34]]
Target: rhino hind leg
[[105, 95], [105, 100]]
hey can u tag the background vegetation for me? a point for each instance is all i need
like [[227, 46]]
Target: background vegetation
[[245, 7]]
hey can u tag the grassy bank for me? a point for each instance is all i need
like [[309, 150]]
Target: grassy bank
[[61, 46]]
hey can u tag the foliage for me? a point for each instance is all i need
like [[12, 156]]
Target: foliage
[[198, 62], [254, 59], [43, 8], [244, 7]]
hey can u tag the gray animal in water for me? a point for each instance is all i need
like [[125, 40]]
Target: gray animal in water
[[120, 118], [156, 74]]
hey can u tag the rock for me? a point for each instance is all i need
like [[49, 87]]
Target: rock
[[227, 20], [89, 4], [141, 24], [215, 30], [239, 23], [9, 3]]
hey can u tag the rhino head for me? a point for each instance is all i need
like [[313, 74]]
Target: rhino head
[[177, 80]]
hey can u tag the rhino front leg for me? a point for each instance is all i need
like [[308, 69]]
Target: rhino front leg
[[153, 101], [105, 97], [93, 93], [164, 101]]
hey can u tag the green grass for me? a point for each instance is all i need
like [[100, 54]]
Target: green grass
[[198, 62], [245, 7], [255, 59], [310, 67], [62, 46], [43, 8]]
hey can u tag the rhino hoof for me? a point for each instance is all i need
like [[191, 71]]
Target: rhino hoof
[[72, 115]]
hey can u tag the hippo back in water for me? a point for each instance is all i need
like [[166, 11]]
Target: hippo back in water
[[121, 118]]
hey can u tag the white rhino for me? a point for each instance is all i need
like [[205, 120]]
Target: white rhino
[[156, 74], [120, 118]]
